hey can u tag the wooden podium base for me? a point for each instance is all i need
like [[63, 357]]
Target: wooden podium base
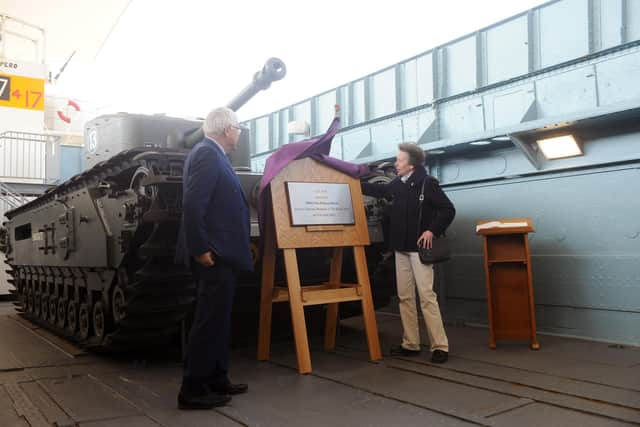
[[508, 279]]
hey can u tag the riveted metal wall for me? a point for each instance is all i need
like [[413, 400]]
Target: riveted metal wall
[[614, 78], [460, 62], [543, 54], [564, 31], [507, 50], [600, 149], [583, 88], [567, 65], [585, 251], [632, 19]]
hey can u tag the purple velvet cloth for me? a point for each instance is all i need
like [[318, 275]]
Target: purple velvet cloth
[[318, 149]]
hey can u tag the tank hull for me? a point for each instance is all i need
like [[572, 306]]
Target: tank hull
[[92, 260]]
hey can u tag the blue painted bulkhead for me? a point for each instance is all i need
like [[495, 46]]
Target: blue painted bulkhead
[[476, 106], [585, 252]]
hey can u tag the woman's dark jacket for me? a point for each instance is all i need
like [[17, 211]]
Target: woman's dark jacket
[[437, 214]]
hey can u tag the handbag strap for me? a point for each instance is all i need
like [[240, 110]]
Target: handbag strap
[[420, 201]]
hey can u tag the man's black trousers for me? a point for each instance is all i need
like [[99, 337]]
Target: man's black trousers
[[207, 357]]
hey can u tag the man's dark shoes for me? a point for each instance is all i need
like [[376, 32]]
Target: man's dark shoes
[[439, 356], [229, 389], [201, 401], [401, 351]]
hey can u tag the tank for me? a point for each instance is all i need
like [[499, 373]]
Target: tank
[[92, 259]]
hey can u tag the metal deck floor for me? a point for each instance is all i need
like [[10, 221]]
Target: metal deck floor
[[568, 382]]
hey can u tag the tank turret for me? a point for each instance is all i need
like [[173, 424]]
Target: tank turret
[[107, 135]]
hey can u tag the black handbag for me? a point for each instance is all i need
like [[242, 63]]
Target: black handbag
[[439, 251]]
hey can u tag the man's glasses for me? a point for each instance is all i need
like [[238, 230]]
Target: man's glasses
[[239, 129]]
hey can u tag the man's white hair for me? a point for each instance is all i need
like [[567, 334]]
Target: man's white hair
[[218, 120]]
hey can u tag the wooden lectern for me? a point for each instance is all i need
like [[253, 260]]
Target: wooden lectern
[[314, 206], [508, 280]]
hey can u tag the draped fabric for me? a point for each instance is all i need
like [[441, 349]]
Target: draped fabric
[[318, 149]]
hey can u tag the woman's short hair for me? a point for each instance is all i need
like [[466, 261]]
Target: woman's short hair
[[218, 120], [416, 155]]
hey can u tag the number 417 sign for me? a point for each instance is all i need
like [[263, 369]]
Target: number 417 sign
[[21, 92]]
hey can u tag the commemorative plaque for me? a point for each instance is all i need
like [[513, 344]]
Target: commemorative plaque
[[320, 203]]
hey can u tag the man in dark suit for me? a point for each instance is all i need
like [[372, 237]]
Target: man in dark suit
[[214, 242], [405, 236]]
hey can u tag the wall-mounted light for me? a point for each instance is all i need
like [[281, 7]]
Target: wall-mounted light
[[482, 142], [559, 147], [435, 152]]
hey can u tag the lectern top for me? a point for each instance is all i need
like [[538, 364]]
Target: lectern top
[[504, 226]]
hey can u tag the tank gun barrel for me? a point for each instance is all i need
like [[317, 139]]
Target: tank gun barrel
[[273, 70]]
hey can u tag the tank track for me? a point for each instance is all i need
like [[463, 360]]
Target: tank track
[[137, 304]]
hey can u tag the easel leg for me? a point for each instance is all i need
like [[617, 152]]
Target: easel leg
[[297, 311], [367, 303], [331, 323], [266, 293]]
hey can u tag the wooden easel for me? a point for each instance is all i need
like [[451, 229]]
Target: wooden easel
[[508, 279], [281, 234]]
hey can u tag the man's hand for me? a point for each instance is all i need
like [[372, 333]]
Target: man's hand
[[207, 259], [425, 240]]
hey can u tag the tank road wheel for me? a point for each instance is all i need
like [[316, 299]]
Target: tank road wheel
[[44, 307], [118, 303], [72, 317], [24, 297], [53, 310], [62, 312], [28, 301], [136, 183], [84, 321], [100, 320], [24, 300], [36, 303]]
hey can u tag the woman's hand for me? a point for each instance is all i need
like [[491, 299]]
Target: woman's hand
[[425, 240]]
